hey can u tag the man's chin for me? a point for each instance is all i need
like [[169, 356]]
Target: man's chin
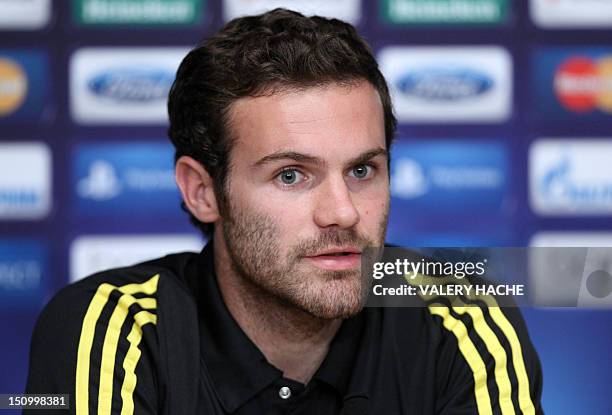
[[336, 313], [334, 299]]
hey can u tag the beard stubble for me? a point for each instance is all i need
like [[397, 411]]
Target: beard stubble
[[257, 256]]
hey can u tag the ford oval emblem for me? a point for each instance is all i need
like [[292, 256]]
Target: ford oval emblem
[[444, 84], [132, 85]]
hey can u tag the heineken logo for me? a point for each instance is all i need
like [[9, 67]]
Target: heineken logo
[[445, 11], [138, 11]]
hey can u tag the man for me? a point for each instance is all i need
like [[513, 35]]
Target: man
[[282, 126]]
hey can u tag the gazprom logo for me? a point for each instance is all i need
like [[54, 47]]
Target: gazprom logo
[[447, 85], [132, 85], [560, 185], [571, 177]]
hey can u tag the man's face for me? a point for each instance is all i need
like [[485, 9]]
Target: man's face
[[307, 191]]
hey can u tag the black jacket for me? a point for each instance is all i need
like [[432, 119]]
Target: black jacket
[[138, 340]]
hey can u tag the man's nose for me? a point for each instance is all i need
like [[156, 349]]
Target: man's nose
[[335, 205]]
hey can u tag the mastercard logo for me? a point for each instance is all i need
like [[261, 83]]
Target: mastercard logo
[[13, 86], [583, 84]]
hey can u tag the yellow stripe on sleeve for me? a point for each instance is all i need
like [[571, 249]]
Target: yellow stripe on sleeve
[[497, 351], [471, 355], [524, 396], [85, 342], [109, 349], [498, 317], [131, 360], [88, 328]]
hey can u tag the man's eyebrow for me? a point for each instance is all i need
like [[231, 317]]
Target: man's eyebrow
[[288, 155], [369, 155], [305, 158]]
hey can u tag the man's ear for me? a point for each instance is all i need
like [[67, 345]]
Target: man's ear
[[197, 189]]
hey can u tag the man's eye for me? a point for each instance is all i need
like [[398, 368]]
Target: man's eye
[[361, 171], [290, 176]]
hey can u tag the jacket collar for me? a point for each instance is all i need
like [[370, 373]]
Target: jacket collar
[[239, 370]]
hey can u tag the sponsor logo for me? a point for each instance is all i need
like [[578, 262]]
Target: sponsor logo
[[114, 178], [438, 186], [101, 182], [583, 84], [90, 254], [155, 12], [131, 85], [445, 11], [24, 15], [23, 85], [347, 10], [25, 181], [449, 84], [446, 176], [23, 273], [441, 85], [111, 86], [13, 86], [571, 13], [572, 84], [409, 179], [571, 177]]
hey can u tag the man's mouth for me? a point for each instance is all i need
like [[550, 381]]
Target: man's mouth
[[337, 259]]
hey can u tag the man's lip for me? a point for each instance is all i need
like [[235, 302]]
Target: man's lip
[[332, 251], [325, 260]]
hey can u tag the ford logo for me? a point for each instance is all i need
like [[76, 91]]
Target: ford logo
[[132, 85], [444, 84]]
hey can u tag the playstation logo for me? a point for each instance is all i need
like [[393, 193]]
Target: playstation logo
[[101, 182]]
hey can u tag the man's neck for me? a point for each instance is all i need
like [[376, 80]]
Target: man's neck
[[290, 339]]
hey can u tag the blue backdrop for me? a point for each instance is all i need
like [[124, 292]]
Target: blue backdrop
[[86, 169]]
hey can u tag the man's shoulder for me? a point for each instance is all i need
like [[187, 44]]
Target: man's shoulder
[[122, 320], [145, 279], [481, 352], [173, 265], [456, 322]]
